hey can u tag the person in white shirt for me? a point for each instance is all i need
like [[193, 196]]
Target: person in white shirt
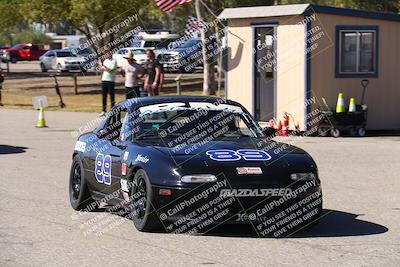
[[109, 68], [133, 72]]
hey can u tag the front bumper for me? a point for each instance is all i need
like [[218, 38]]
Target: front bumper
[[192, 208], [171, 65], [74, 66], [4, 57]]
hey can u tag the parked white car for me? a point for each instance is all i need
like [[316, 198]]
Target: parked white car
[[61, 60], [138, 54]]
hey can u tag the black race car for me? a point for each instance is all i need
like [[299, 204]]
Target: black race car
[[189, 164]]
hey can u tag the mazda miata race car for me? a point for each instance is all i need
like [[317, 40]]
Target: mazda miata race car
[[189, 164]]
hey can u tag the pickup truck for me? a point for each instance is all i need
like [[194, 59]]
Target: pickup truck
[[21, 52]]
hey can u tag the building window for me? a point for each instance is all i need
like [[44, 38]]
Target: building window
[[356, 51]]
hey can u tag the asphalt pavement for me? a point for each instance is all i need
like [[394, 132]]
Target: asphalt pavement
[[360, 226]]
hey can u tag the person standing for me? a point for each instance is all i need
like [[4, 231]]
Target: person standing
[[154, 76], [109, 68], [133, 72], [1, 85]]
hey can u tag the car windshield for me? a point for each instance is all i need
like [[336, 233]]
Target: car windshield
[[138, 51], [207, 123], [189, 43], [85, 51], [65, 54], [157, 44]]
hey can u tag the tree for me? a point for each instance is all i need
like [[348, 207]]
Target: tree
[[31, 36], [10, 19], [105, 23]]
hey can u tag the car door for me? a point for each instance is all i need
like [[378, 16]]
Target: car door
[[25, 52], [120, 56], [47, 59], [107, 160]]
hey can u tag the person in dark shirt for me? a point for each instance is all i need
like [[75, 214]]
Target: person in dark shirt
[[1, 84], [154, 77]]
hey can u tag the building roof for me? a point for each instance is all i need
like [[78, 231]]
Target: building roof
[[263, 11], [300, 9]]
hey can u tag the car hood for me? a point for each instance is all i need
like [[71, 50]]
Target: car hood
[[284, 160], [175, 51], [290, 154], [64, 59]]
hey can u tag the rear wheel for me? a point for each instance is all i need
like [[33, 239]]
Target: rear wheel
[[79, 194], [144, 216]]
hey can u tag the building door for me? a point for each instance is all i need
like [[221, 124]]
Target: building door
[[265, 71]]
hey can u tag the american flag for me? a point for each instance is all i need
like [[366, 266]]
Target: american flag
[[168, 5]]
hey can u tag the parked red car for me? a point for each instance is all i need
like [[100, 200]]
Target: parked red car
[[21, 52]]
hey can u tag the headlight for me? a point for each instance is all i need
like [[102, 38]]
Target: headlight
[[199, 178], [302, 176]]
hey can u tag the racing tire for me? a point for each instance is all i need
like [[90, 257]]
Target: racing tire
[[335, 132], [13, 60], [42, 67], [144, 216], [79, 194]]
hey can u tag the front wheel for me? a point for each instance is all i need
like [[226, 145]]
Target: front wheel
[[60, 68], [43, 67], [79, 194], [144, 215]]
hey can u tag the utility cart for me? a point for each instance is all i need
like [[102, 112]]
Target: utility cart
[[353, 123]]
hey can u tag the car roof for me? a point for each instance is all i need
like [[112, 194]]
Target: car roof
[[58, 50]]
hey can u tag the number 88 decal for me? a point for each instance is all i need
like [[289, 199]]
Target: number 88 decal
[[103, 169], [231, 155]]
